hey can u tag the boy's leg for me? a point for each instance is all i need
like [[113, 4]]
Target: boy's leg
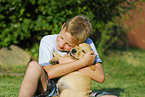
[[34, 75]]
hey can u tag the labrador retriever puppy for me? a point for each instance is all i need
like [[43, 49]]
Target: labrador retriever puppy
[[74, 84]]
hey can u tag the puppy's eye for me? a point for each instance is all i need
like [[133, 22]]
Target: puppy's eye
[[83, 51]]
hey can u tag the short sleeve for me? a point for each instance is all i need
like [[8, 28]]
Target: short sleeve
[[46, 48], [90, 42]]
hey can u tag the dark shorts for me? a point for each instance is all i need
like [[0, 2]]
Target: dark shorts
[[51, 89]]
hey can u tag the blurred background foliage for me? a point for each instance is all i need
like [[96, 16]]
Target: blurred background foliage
[[25, 22]]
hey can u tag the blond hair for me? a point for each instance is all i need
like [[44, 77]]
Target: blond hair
[[79, 27]]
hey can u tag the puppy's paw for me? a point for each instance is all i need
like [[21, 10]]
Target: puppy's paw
[[54, 61]]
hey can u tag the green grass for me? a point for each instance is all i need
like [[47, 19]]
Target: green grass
[[10, 85], [124, 70], [10, 80], [125, 73]]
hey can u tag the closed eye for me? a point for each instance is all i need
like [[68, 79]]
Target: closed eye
[[61, 37], [83, 51]]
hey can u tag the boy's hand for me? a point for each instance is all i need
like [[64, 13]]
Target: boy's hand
[[89, 58]]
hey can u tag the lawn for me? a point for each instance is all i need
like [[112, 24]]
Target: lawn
[[125, 73], [124, 70]]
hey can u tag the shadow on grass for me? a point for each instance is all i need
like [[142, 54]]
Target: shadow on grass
[[112, 91]]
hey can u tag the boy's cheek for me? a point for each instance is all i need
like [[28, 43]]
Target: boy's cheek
[[67, 48]]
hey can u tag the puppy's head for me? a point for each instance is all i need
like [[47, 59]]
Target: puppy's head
[[80, 50]]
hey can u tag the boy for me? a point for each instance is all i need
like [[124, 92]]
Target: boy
[[73, 32]]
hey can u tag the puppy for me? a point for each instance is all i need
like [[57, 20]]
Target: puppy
[[74, 84]]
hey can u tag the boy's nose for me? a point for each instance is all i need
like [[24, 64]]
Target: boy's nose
[[62, 44]]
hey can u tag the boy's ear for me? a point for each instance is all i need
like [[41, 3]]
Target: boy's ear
[[62, 26]]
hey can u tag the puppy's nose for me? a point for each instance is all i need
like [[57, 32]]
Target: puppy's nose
[[73, 51]]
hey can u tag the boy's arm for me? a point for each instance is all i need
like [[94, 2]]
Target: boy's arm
[[97, 75], [61, 69]]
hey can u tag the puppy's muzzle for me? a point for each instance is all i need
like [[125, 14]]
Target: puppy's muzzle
[[72, 52]]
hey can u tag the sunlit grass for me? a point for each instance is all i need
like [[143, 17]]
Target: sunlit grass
[[9, 86], [124, 70], [125, 73]]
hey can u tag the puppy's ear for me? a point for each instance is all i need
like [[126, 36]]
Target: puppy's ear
[[93, 67]]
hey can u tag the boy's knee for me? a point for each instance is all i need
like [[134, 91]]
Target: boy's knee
[[35, 65]]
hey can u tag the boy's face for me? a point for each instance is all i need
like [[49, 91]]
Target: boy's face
[[65, 41]]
